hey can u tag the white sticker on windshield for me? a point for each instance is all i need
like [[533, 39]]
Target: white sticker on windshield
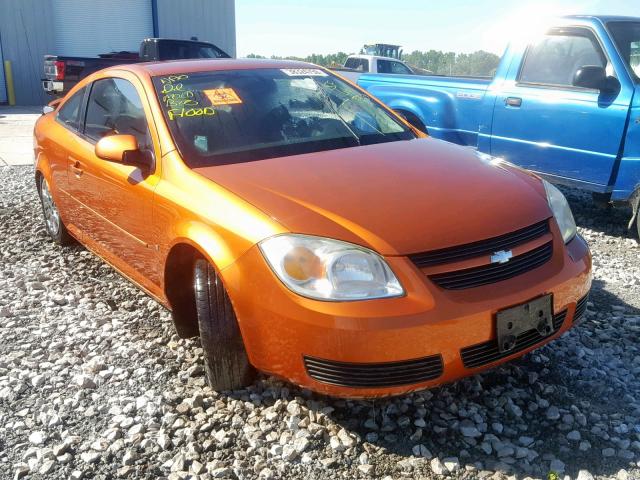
[[303, 72], [305, 83]]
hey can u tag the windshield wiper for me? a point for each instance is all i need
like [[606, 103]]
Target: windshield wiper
[[333, 107]]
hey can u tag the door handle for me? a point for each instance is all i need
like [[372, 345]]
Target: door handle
[[513, 102], [75, 168]]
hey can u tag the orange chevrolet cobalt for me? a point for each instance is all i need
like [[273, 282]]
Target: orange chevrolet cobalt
[[303, 229]]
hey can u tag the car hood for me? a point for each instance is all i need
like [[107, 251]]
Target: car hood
[[397, 198]]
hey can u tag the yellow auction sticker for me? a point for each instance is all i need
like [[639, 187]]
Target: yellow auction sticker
[[222, 96]]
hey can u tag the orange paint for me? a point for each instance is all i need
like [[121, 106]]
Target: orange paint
[[397, 198]]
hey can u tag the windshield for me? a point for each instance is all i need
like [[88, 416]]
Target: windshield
[[235, 116], [627, 38]]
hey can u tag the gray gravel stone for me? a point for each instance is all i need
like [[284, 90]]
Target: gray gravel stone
[[553, 413], [438, 467], [574, 436], [557, 466], [584, 475]]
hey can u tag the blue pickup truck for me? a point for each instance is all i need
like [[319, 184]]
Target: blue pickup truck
[[564, 104]]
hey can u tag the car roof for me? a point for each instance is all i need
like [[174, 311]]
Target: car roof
[[172, 67]]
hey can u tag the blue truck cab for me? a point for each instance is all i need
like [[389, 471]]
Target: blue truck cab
[[564, 103]]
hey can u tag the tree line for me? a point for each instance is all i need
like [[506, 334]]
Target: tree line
[[478, 63]]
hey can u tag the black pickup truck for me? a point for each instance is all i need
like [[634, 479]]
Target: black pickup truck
[[62, 73]]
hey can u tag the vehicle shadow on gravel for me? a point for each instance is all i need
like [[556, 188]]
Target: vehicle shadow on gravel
[[557, 409]]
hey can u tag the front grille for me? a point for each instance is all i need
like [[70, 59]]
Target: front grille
[[363, 375], [581, 306], [494, 272], [482, 247], [487, 352]]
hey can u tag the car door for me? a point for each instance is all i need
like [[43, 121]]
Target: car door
[[544, 123], [57, 147], [117, 198]]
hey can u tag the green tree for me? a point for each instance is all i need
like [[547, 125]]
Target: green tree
[[478, 63]]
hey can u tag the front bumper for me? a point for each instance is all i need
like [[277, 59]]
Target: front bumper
[[423, 334]]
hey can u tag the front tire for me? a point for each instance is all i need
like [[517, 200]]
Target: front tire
[[52, 221], [226, 362]]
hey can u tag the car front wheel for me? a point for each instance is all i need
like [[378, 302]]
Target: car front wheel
[[226, 362], [53, 223]]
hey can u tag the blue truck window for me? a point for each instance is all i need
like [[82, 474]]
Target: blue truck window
[[627, 38], [555, 58], [361, 64]]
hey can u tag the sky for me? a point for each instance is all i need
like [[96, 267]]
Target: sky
[[302, 27]]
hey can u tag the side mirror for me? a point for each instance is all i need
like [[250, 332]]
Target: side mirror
[[114, 147], [47, 109], [592, 76]]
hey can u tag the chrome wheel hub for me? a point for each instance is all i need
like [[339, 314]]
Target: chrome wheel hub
[[51, 215]]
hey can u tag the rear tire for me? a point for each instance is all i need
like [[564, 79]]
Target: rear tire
[[52, 221], [226, 362]]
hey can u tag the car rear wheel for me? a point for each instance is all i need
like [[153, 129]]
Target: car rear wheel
[[52, 221], [226, 362]]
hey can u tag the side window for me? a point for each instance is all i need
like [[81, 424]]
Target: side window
[[361, 64], [400, 68], [69, 114], [115, 108], [384, 66], [556, 57]]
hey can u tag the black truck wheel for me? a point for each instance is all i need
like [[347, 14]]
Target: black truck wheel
[[226, 362]]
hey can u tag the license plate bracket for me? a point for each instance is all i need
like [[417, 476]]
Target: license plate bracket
[[534, 315]]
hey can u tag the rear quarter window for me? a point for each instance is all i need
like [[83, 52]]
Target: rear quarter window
[[69, 113]]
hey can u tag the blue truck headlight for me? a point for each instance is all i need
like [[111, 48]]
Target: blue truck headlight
[[561, 211]]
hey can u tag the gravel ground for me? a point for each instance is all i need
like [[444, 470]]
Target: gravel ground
[[95, 384]]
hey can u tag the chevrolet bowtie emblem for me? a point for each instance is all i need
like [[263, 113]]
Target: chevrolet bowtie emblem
[[502, 256]]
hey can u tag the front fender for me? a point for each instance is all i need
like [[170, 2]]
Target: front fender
[[43, 167], [207, 241]]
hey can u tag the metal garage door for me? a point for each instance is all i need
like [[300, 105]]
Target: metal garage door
[[87, 28]]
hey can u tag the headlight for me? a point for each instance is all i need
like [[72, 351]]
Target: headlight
[[327, 269], [561, 211]]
